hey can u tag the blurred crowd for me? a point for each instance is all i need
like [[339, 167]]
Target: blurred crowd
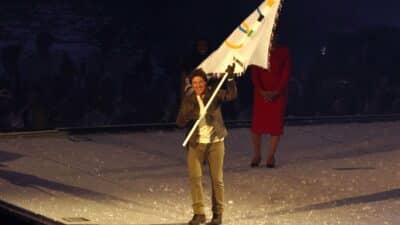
[[45, 88], [113, 75], [42, 88]]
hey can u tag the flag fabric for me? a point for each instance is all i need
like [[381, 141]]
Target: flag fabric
[[249, 44]]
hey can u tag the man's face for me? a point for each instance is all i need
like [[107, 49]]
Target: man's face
[[199, 85]]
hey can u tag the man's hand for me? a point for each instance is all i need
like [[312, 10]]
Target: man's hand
[[231, 71]]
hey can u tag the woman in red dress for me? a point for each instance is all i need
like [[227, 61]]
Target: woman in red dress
[[270, 98]]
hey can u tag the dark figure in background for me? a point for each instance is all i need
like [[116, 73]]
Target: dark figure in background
[[200, 52], [382, 97], [69, 107], [207, 142], [5, 108], [10, 58], [270, 99], [10, 117], [38, 73], [295, 102], [146, 100], [11, 103]]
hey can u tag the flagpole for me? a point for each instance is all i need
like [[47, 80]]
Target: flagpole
[[205, 109]]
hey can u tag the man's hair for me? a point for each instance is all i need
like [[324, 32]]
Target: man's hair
[[198, 72]]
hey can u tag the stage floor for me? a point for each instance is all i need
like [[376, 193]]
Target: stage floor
[[326, 175]]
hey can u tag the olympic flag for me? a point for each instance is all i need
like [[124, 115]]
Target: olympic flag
[[249, 44]]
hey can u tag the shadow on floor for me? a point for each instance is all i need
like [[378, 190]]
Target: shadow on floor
[[9, 156], [363, 199], [44, 185]]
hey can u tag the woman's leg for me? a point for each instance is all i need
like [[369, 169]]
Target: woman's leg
[[256, 148], [273, 146]]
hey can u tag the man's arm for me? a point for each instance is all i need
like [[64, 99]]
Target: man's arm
[[187, 113]]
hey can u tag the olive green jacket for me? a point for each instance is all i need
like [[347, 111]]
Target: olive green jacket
[[189, 111]]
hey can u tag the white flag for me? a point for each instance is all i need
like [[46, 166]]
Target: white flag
[[248, 44]]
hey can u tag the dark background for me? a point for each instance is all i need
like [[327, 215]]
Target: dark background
[[120, 62]]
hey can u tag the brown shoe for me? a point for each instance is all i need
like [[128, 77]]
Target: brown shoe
[[216, 220], [197, 219]]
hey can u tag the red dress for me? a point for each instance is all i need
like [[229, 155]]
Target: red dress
[[268, 117]]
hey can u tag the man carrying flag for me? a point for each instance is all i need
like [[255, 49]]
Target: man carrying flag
[[207, 144], [249, 44]]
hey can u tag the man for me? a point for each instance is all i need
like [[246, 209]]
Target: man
[[207, 142]]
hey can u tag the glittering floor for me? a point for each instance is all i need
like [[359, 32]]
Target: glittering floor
[[327, 174]]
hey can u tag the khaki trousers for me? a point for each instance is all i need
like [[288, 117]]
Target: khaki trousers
[[213, 153]]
